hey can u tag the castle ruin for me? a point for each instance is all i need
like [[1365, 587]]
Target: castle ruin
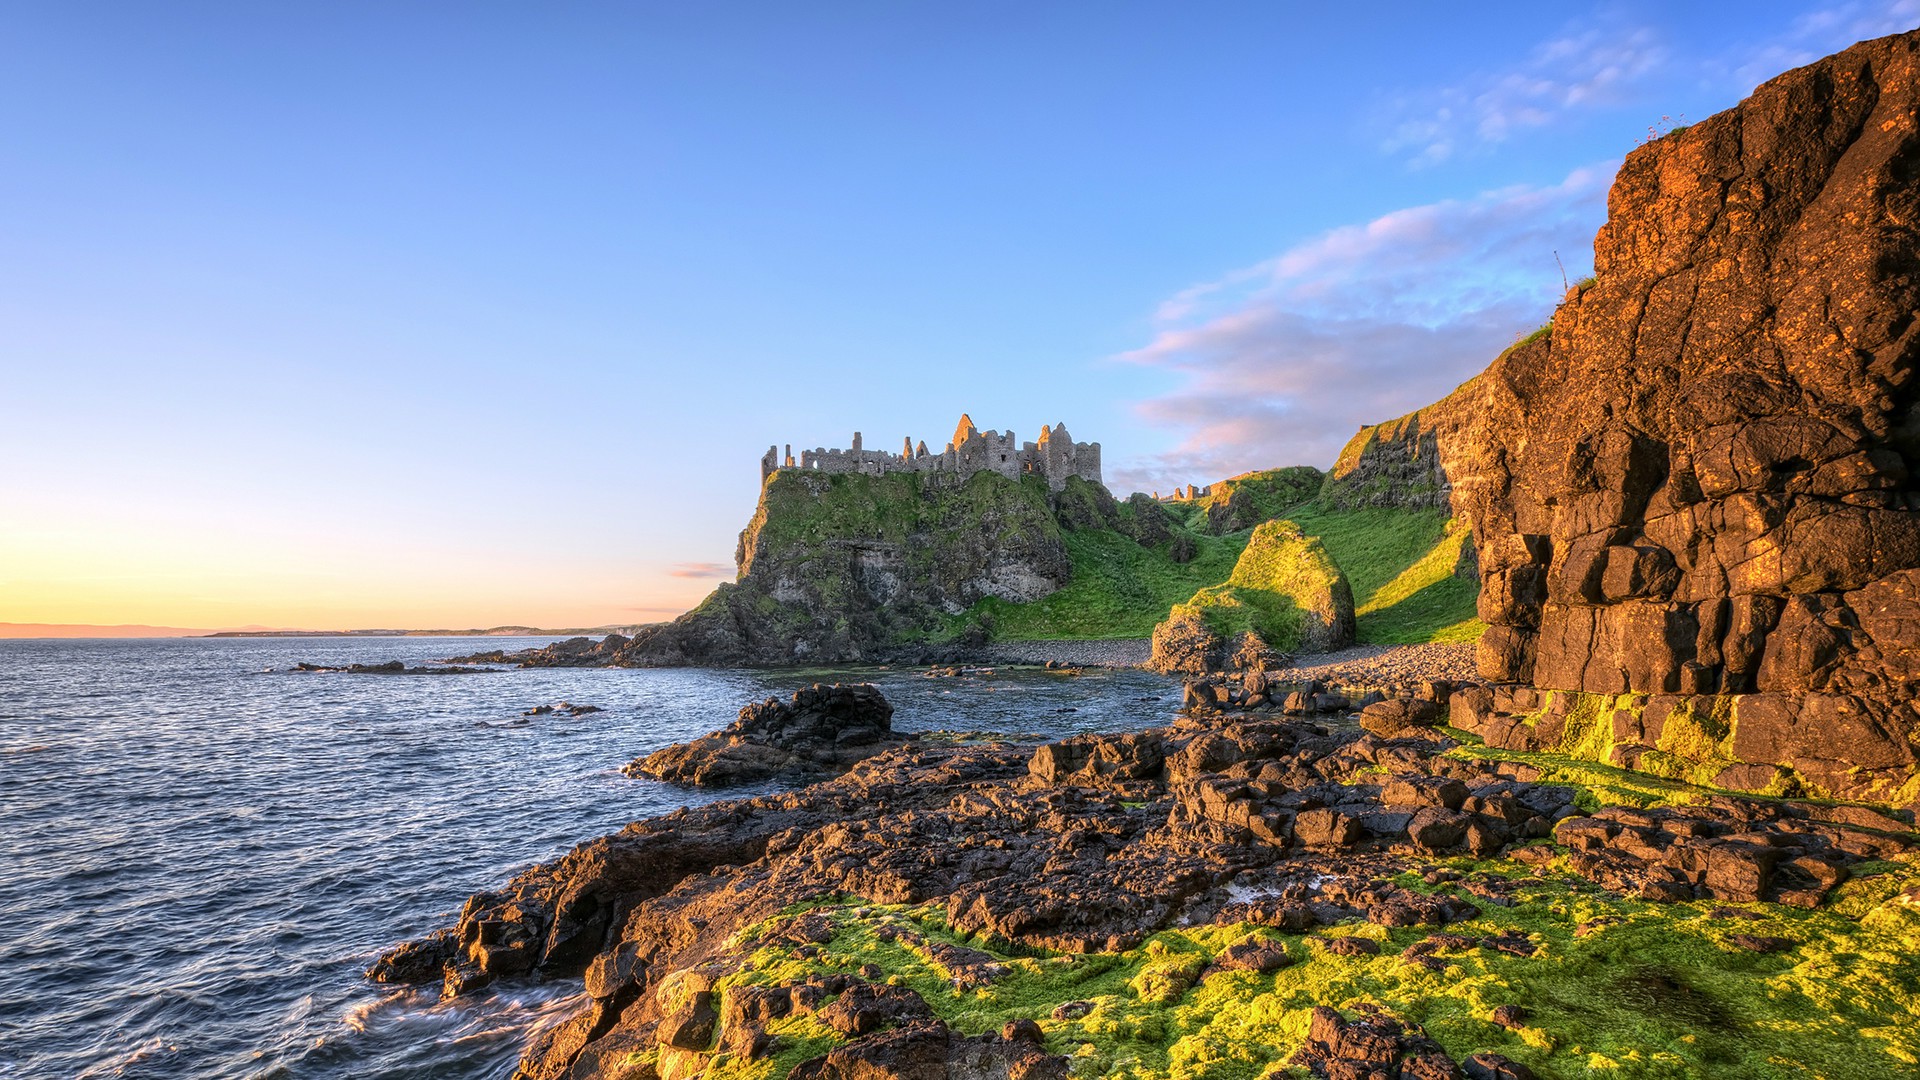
[[1055, 456]]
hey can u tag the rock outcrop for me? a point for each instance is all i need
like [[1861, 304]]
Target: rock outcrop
[[1699, 483], [1404, 463], [823, 731], [842, 567], [1285, 594]]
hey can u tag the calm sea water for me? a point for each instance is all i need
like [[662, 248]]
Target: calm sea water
[[200, 856]]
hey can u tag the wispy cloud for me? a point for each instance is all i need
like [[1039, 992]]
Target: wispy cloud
[[1583, 68], [1281, 362], [1812, 36], [1609, 61], [701, 570]]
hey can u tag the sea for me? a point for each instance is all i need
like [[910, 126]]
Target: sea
[[201, 851]]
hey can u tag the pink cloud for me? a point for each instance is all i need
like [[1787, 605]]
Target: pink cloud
[[1279, 363]]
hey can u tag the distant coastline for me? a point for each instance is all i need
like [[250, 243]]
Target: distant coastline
[[87, 630], [492, 631]]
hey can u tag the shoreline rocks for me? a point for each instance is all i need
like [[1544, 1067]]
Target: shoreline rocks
[[391, 667], [822, 731], [1085, 845]]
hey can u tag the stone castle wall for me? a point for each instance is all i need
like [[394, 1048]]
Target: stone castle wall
[[1054, 456]]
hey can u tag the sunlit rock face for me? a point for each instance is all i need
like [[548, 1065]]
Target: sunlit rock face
[[1701, 481]]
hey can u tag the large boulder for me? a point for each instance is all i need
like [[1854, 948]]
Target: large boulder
[[822, 731], [1285, 590]]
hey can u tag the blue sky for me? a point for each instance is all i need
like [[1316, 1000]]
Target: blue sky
[[390, 314]]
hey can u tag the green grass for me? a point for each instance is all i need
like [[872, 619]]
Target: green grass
[[1119, 589], [1657, 992], [1400, 564]]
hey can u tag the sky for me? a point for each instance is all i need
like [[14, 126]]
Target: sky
[[337, 315]]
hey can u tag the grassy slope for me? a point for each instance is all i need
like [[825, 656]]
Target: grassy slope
[[1268, 493], [1119, 589], [1399, 563], [1657, 992]]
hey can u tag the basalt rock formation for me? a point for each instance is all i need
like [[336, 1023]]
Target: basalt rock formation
[[823, 731], [1699, 483]]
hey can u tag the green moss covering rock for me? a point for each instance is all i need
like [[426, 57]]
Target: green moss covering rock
[[1604, 987], [1284, 589]]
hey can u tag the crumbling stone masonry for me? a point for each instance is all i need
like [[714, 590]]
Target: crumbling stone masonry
[[1056, 456]]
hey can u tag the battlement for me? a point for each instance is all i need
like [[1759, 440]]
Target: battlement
[[1054, 456]]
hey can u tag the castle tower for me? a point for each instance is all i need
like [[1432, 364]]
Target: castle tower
[[965, 431]]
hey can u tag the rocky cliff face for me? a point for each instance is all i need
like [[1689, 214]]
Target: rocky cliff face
[[1701, 482], [1403, 463], [843, 567]]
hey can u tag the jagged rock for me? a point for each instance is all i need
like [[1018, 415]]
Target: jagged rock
[[1495, 1067], [928, 1050], [1185, 645], [868, 1007], [1374, 1044], [1112, 761], [822, 731], [394, 667], [1258, 955], [1423, 791]]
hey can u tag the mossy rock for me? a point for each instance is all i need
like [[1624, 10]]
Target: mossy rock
[[1285, 589]]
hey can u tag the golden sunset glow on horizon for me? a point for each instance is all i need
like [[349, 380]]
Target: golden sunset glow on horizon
[[187, 582]]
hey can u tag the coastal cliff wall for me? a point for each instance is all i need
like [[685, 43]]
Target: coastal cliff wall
[[838, 566], [1697, 490]]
